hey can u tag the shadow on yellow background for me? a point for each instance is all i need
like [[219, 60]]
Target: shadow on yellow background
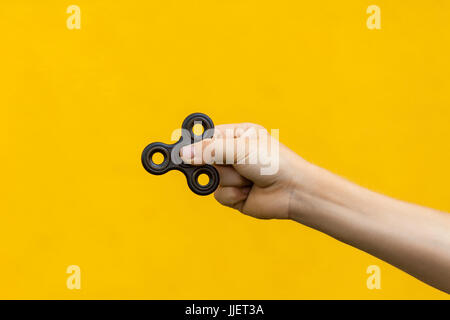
[[78, 106]]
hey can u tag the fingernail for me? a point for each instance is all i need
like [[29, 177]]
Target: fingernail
[[187, 152]]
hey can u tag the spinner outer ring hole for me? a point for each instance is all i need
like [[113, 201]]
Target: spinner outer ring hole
[[205, 124], [163, 165], [210, 175]]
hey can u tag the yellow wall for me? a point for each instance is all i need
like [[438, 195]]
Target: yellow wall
[[78, 106]]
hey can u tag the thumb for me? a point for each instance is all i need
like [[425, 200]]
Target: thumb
[[193, 153], [212, 151]]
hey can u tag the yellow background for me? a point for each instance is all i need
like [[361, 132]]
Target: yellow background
[[78, 106]]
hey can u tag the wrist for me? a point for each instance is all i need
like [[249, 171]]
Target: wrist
[[303, 186], [319, 196], [328, 203]]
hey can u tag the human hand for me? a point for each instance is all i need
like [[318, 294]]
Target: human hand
[[245, 185]]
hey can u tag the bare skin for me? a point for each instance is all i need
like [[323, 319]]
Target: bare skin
[[415, 239]]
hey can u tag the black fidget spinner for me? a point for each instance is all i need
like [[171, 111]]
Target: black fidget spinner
[[172, 159]]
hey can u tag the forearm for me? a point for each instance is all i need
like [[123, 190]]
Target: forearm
[[412, 238]]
